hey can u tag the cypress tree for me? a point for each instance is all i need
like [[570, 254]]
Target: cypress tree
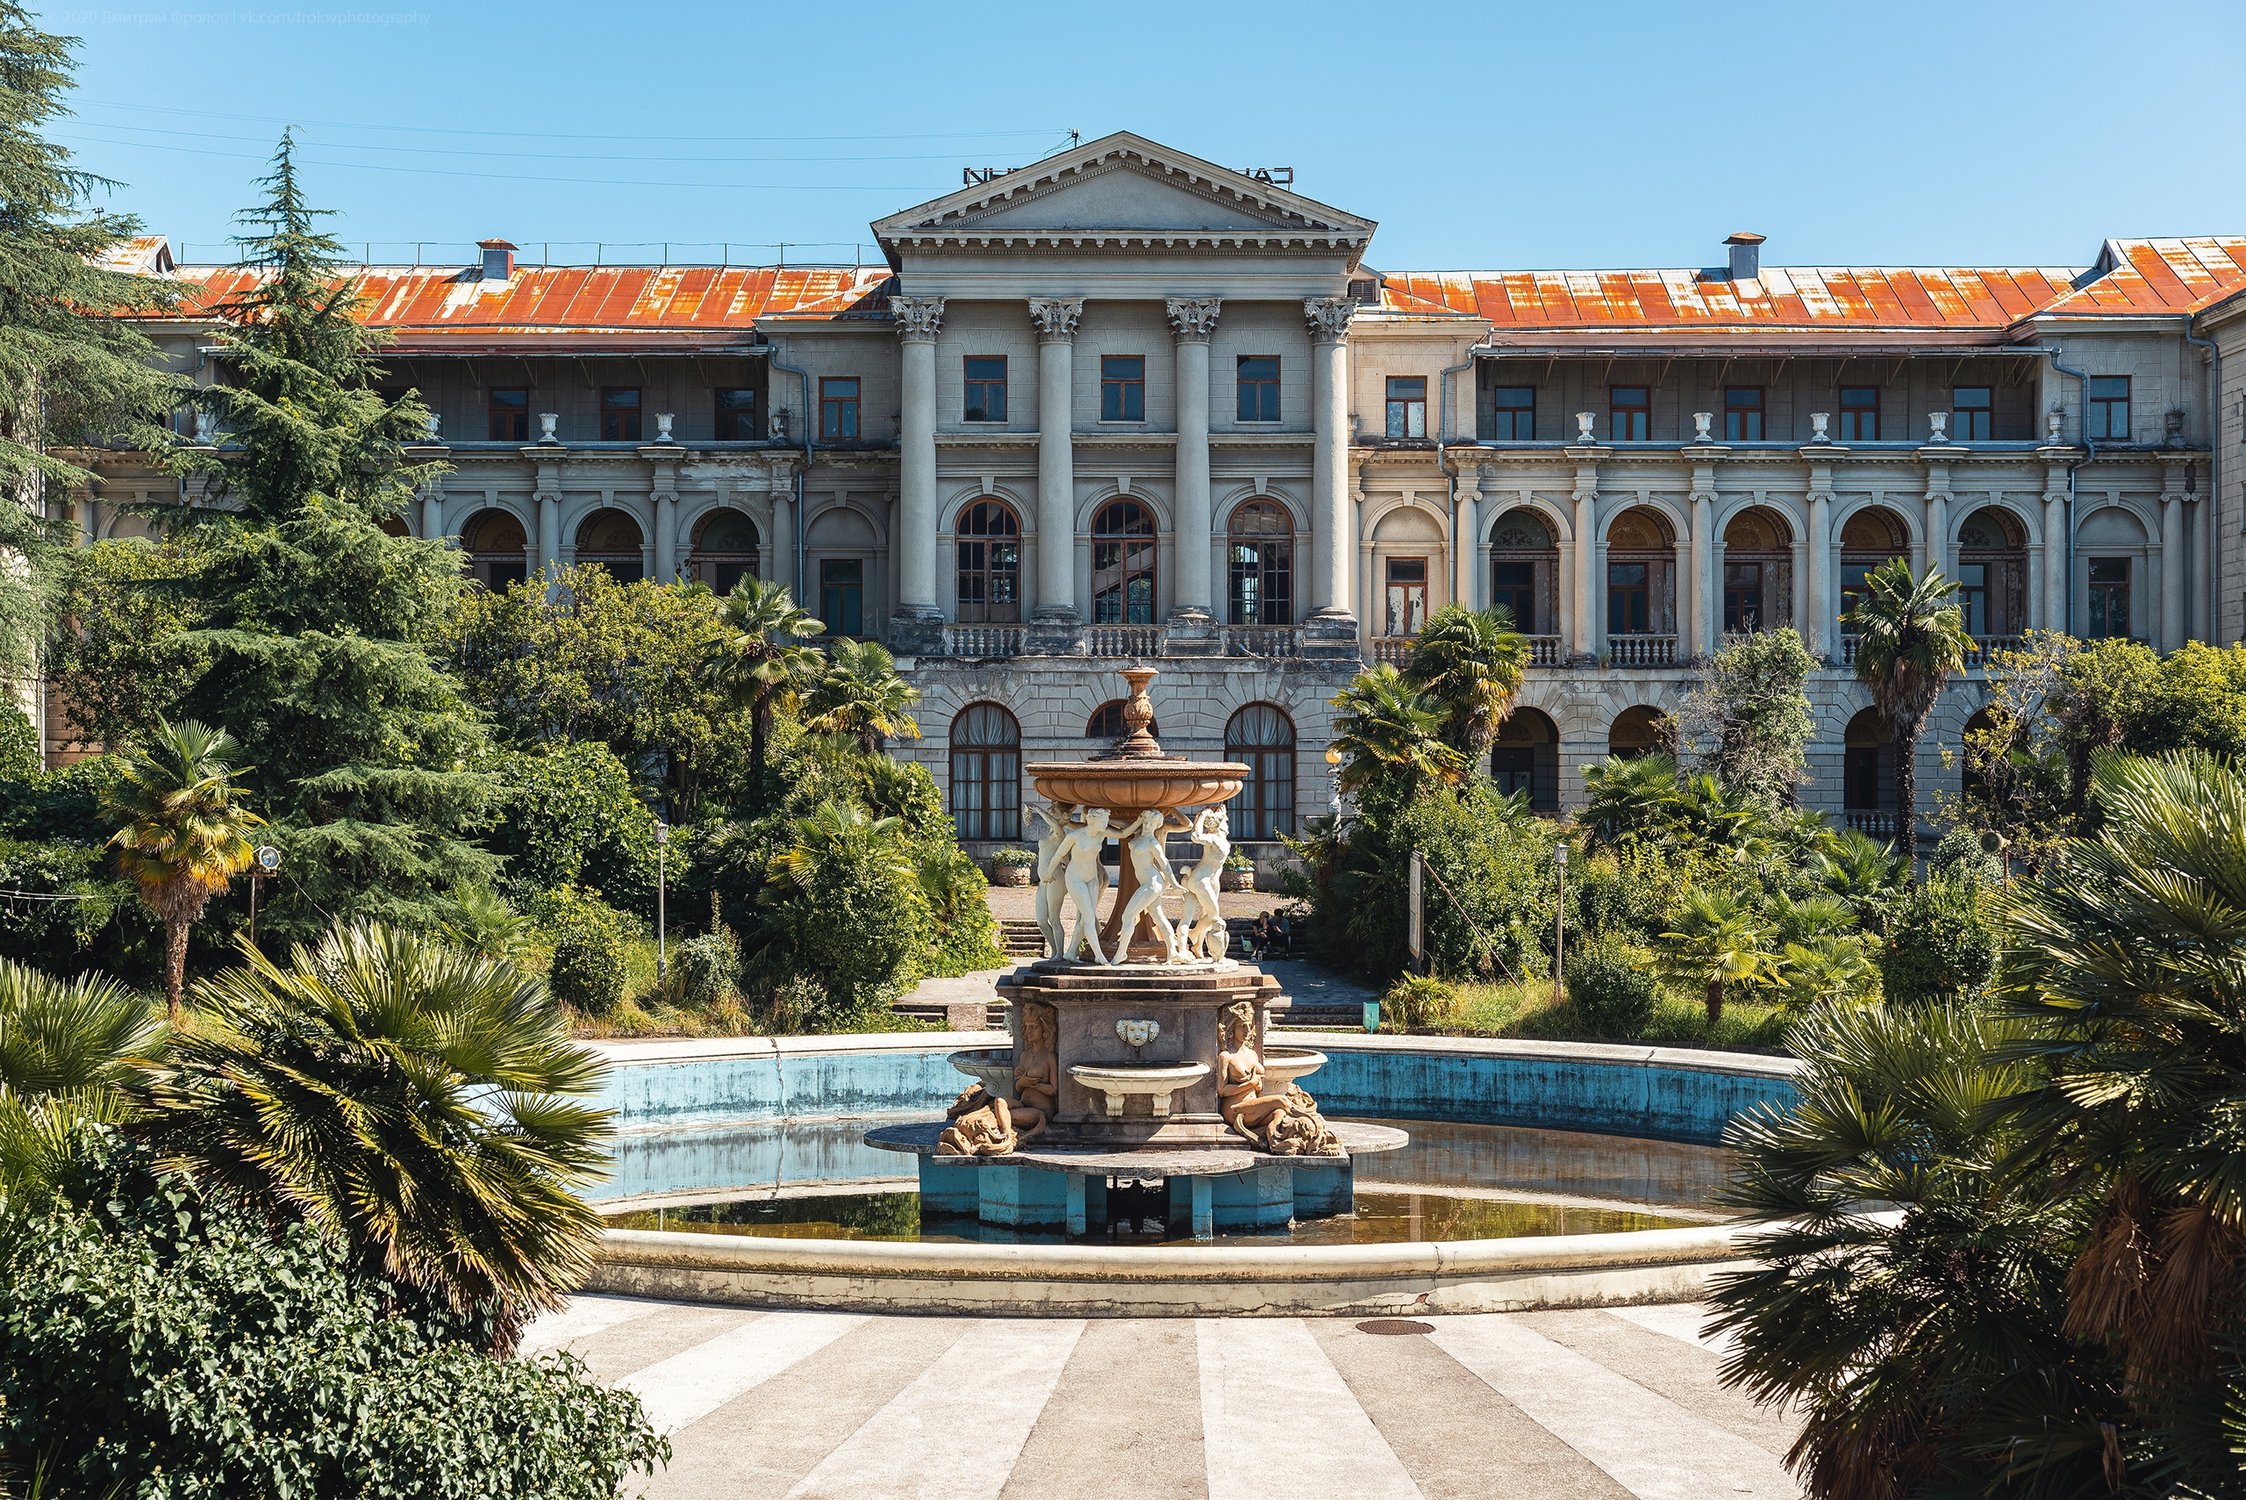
[[72, 373], [317, 618]]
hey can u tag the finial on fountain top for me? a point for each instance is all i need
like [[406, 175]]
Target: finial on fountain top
[[1138, 742]]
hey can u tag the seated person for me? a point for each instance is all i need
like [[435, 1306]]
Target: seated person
[[1282, 936], [1259, 937]]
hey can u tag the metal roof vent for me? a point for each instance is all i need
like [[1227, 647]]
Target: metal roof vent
[[1746, 256], [499, 259]]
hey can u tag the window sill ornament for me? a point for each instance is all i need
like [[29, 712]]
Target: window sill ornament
[[547, 421], [1703, 423], [1939, 422], [663, 426], [1819, 421], [1584, 421]]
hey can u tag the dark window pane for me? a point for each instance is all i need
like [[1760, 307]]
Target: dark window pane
[[619, 414], [736, 416], [1122, 387], [509, 409], [1259, 387], [986, 388], [1513, 414]]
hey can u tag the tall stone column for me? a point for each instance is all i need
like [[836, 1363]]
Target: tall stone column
[[1820, 607], [916, 624], [1585, 629], [2055, 558], [666, 537], [433, 511], [1055, 318], [2203, 568], [1192, 320], [783, 545], [2174, 574], [1707, 594], [547, 498], [1466, 542], [1938, 518], [1329, 466]]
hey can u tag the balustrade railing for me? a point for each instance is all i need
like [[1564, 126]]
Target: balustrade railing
[[1544, 650], [981, 642], [1262, 640], [1878, 825], [1987, 648], [1848, 651], [1642, 651], [1124, 640], [1392, 649]]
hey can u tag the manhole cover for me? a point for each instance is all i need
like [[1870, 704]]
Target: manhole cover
[[1394, 1325]]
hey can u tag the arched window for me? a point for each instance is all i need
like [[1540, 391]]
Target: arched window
[[1525, 571], [1107, 723], [1641, 574], [1526, 758], [611, 539], [1123, 564], [990, 564], [725, 550], [1870, 537], [1262, 737], [1639, 731], [1758, 572], [986, 773], [1261, 550], [497, 549], [1992, 573]]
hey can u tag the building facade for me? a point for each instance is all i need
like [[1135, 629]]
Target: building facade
[[1125, 405]]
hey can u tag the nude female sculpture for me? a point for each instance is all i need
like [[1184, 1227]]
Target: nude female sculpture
[[1204, 931], [1036, 1064], [1286, 1123], [1142, 845], [982, 1124], [1051, 847], [1081, 870]]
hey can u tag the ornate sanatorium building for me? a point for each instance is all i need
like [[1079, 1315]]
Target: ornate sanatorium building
[[1126, 404]]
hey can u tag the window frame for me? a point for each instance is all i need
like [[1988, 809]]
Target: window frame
[[1271, 558], [492, 413], [1619, 596], [1513, 418], [612, 431], [726, 419], [1122, 395], [1137, 556], [2101, 410], [1243, 383], [1757, 410], [833, 619], [1407, 406], [837, 411], [970, 383], [1640, 412], [1962, 430], [994, 560], [992, 768], [1411, 588], [2099, 595], [1265, 808], [1852, 417]]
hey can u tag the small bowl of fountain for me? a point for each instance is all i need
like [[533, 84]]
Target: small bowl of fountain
[[1140, 1049]]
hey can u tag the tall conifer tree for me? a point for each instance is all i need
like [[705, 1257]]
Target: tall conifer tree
[[71, 372], [318, 621]]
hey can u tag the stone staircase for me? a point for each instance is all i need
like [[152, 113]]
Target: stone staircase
[[1019, 939]]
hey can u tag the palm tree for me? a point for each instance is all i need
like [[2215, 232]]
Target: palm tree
[[1856, 868], [421, 1104], [1910, 641], [1470, 662], [1389, 733], [69, 1048], [861, 694], [2127, 958], [1632, 797], [1718, 944], [1826, 970], [758, 663], [838, 833], [185, 836], [484, 924]]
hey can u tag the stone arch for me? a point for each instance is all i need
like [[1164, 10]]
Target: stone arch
[[1127, 535], [611, 538], [1758, 570], [1496, 507], [1641, 573], [1088, 511], [1640, 729], [2026, 521], [724, 545], [843, 546], [983, 749], [1524, 569], [498, 547], [1526, 757], [1896, 528], [987, 562], [1868, 757], [1992, 571], [1247, 495], [1259, 552], [1666, 521], [1261, 736]]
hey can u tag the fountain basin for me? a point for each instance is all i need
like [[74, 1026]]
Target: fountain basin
[[992, 1067], [1132, 786], [1283, 1066], [1157, 1083]]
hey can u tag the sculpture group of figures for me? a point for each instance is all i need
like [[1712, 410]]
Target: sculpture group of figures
[[987, 1124], [1069, 868]]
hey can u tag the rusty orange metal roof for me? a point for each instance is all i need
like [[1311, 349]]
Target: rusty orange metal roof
[[2159, 276], [439, 307], [146, 253]]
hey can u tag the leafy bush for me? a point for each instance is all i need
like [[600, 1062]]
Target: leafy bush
[[227, 1356], [1941, 944], [1015, 857], [1633, 890], [1417, 1002], [591, 939], [571, 815], [844, 907], [56, 935], [965, 934], [19, 744], [1610, 984], [705, 969]]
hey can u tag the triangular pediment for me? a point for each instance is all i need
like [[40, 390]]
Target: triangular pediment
[[1126, 187]]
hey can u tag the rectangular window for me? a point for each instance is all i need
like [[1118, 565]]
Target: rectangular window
[[1972, 413], [1513, 414], [507, 410], [842, 595], [1742, 597], [1513, 589], [1407, 595], [986, 388], [1259, 387], [619, 414], [2109, 598], [838, 409], [1859, 414], [1742, 414], [1629, 598], [736, 416], [1122, 387], [2109, 408], [1973, 596], [1407, 406], [1630, 413]]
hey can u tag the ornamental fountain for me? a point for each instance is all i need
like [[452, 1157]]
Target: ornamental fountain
[[1142, 1070]]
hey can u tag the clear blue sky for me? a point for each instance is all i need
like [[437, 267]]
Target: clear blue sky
[[1490, 135]]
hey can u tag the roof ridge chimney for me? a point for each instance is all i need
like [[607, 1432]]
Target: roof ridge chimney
[[499, 259], [1746, 255]]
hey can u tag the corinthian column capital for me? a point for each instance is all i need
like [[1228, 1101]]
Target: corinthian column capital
[[1193, 319], [1328, 318], [1056, 317], [918, 318]]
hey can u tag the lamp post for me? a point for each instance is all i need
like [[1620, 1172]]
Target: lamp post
[[268, 860], [1559, 915], [662, 844], [1333, 770]]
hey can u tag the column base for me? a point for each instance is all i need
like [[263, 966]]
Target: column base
[[1330, 635], [917, 630], [1053, 635], [1192, 632]]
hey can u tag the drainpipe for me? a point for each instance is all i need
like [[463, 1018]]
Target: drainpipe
[[2214, 478], [806, 416], [1450, 475], [2089, 451]]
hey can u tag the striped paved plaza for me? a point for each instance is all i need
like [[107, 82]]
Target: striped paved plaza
[[1518, 1406]]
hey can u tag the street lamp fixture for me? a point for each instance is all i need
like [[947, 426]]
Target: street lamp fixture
[[268, 861], [662, 846]]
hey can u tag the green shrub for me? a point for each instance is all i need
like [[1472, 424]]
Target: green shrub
[[705, 969], [1015, 857], [1417, 1002], [1940, 943], [591, 950], [20, 759], [572, 816], [1610, 985], [1633, 891], [965, 936], [844, 907]]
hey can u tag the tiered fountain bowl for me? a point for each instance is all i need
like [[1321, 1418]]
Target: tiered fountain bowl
[[1135, 1052]]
